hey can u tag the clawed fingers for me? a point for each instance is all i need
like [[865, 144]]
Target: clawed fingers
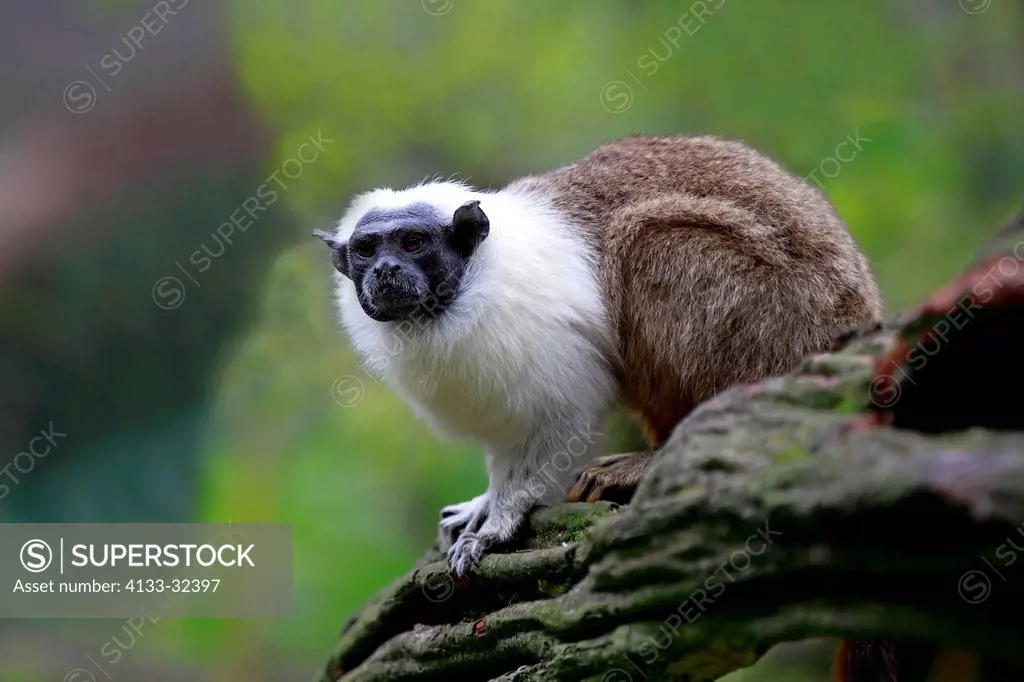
[[614, 479], [466, 553], [590, 486], [457, 519]]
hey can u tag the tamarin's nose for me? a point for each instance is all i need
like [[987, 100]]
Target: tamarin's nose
[[386, 268]]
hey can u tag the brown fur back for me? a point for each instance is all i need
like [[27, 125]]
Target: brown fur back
[[717, 265]]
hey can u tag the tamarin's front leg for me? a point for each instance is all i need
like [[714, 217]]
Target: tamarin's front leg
[[613, 478], [536, 472]]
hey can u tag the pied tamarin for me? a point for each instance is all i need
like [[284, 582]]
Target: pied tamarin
[[655, 273]]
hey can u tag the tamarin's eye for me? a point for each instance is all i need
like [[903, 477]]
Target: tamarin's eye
[[364, 249], [412, 244]]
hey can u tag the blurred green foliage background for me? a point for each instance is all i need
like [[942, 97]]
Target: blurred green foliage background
[[291, 429]]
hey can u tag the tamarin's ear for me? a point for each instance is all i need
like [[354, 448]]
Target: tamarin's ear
[[327, 238], [470, 226], [339, 251]]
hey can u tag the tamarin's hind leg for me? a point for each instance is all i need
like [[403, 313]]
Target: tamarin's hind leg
[[613, 478]]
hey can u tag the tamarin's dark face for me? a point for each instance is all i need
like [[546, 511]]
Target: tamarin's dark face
[[408, 262]]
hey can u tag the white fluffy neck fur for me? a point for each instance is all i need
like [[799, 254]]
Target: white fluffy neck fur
[[526, 342]]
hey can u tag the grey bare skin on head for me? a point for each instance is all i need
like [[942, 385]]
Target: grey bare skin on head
[[655, 272], [408, 260]]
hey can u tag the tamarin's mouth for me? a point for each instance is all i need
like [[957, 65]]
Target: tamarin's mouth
[[392, 298]]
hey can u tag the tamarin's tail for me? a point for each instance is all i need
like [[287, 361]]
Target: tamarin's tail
[[863, 661]]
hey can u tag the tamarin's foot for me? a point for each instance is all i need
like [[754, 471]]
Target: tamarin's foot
[[613, 478]]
